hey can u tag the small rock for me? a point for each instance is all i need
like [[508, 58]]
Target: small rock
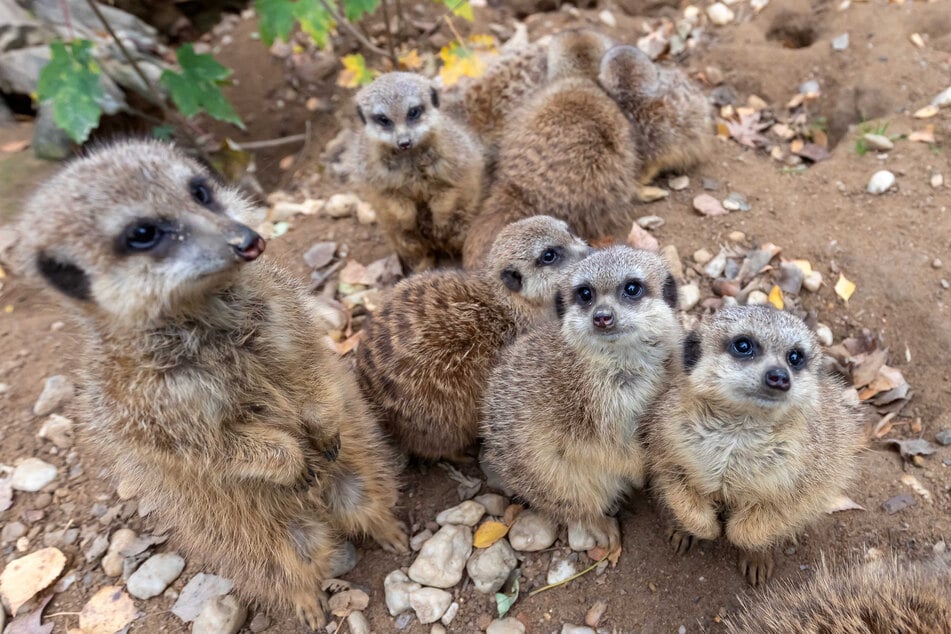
[[720, 14], [42, 501], [450, 614], [650, 222], [722, 96], [156, 574], [260, 622], [642, 239], [810, 87], [711, 184], [429, 604], [221, 615], [358, 623], [59, 430], [943, 437], [437, 628], [649, 194], [466, 514], [824, 335], [341, 205], [841, 42], [937, 180], [757, 298], [97, 549], [505, 626], [197, 592], [715, 267], [562, 567], [672, 258], [397, 588], [12, 532], [898, 503], [878, 142], [403, 620], [416, 541], [707, 205], [880, 182], [348, 601], [443, 557], [945, 284], [679, 183], [490, 567], [57, 391], [567, 628], [532, 532], [365, 214], [112, 562], [936, 263], [579, 539], [607, 19], [758, 5], [688, 296], [31, 475], [813, 281], [494, 503], [595, 614], [943, 98], [702, 256], [320, 255], [736, 202], [939, 547]]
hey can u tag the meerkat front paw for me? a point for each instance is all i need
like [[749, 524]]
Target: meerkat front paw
[[393, 537], [756, 566], [311, 609], [681, 541], [307, 479], [606, 532]]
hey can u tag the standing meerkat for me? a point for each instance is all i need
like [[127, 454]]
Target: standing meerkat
[[756, 430], [426, 355], [670, 118], [881, 597], [421, 171], [567, 153], [202, 382], [564, 407]]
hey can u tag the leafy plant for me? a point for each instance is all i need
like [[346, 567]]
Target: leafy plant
[[861, 145], [197, 87], [355, 72], [71, 82]]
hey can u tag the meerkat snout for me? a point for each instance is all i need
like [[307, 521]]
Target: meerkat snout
[[777, 379], [603, 318], [247, 244]]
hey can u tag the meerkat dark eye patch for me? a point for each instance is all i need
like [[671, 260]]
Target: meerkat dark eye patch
[[65, 277], [559, 305], [669, 292], [363, 119], [202, 193], [549, 256], [743, 347], [414, 113], [383, 121], [692, 350], [584, 295], [434, 97], [512, 280]]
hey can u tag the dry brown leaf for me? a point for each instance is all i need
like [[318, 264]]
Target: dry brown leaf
[[843, 503], [925, 135], [24, 577], [511, 512], [107, 612], [641, 238], [887, 378], [747, 131], [865, 366], [723, 131], [602, 243], [812, 151], [820, 138], [844, 288], [348, 344], [15, 146], [598, 553], [489, 533], [31, 623], [355, 273], [910, 448], [926, 113]]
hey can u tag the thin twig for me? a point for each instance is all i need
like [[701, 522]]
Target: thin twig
[[125, 52], [289, 174], [67, 20], [400, 20], [435, 27], [389, 35], [269, 143], [571, 578], [353, 31], [458, 36]]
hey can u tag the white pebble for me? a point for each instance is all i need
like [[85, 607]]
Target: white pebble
[[112, 562], [579, 539], [197, 592], [679, 183], [943, 98], [396, 589], [532, 532], [58, 430], [221, 615], [57, 391], [416, 541], [429, 604], [505, 626], [688, 296], [466, 514], [156, 574], [756, 298], [443, 557], [824, 334], [568, 628], [880, 182], [720, 14], [31, 475], [650, 222], [878, 142], [562, 567], [937, 180], [341, 205], [358, 623], [841, 42], [607, 19], [450, 614], [490, 567], [494, 503], [813, 281]]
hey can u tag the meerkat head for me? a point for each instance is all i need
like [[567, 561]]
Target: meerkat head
[[620, 301], [576, 53], [398, 110], [529, 257], [627, 73], [131, 229], [754, 356]]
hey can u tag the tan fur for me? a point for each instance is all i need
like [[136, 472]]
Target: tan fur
[[203, 386], [426, 194], [426, 354], [722, 441], [567, 153], [882, 597], [563, 410], [670, 118]]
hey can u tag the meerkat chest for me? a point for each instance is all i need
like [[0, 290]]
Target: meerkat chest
[[624, 396]]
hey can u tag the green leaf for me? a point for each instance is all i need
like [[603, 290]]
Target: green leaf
[[314, 20], [505, 600], [196, 88], [276, 19], [356, 9], [462, 8], [71, 81]]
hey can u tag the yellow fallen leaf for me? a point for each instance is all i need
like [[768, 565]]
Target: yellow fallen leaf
[[804, 265], [489, 533], [776, 297], [24, 577], [462, 9], [3, 273], [107, 611], [410, 60], [926, 113], [355, 72], [459, 62], [820, 138], [723, 131], [796, 146], [484, 42], [925, 135], [844, 288]]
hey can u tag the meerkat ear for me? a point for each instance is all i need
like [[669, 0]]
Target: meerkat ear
[[434, 97], [66, 277], [559, 305], [363, 119], [670, 291], [691, 350], [512, 280]]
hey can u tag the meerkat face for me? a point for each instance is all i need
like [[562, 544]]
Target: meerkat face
[[620, 301], [531, 255], [133, 228], [398, 110], [755, 355], [626, 72]]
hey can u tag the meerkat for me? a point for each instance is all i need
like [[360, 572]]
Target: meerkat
[[567, 153], [670, 118], [202, 384], [564, 407], [425, 358], [755, 431], [876, 597], [420, 170]]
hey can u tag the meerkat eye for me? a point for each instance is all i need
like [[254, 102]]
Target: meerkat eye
[[549, 256], [742, 347], [633, 289], [201, 191], [382, 120], [143, 237], [796, 358], [584, 294], [414, 113]]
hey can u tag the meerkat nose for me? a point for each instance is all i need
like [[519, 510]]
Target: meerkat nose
[[248, 245], [777, 379], [404, 144], [603, 319]]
